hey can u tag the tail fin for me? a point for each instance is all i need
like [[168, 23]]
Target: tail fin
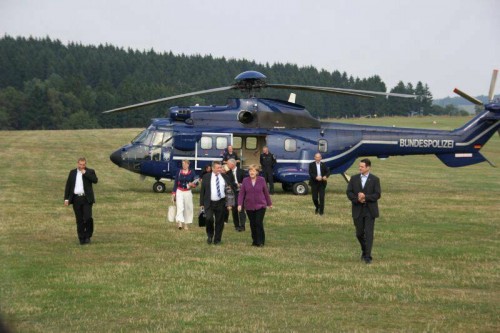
[[473, 136]]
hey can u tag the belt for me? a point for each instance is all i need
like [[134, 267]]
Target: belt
[[80, 194]]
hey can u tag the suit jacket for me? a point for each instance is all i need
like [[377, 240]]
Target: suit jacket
[[240, 174], [88, 178], [206, 188], [313, 172], [372, 193]]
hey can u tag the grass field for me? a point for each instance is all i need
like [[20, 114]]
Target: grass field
[[435, 269]]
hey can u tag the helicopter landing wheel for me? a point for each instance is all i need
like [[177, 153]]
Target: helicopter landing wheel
[[159, 187], [300, 188]]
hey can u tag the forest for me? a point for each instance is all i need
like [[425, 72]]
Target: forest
[[45, 84]]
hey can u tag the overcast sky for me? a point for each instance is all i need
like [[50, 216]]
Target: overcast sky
[[444, 43]]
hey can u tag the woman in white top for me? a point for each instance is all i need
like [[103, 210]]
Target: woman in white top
[[184, 182]]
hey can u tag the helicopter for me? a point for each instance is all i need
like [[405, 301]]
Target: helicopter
[[200, 134]]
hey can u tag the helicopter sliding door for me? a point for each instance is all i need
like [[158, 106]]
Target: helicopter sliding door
[[249, 148]]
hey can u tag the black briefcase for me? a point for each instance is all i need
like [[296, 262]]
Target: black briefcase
[[202, 219]]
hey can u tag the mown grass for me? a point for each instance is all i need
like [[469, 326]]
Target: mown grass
[[435, 254]]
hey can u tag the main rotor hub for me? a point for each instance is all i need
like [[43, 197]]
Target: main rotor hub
[[250, 81]]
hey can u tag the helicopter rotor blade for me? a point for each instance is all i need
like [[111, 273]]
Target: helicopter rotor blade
[[492, 84], [381, 93], [467, 97], [161, 100], [313, 88], [351, 92]]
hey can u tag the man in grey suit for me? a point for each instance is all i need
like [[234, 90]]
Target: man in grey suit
[[364, 191]]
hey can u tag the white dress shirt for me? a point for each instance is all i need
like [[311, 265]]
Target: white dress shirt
[[79, 183], [318, 169], [364, 179], [213, 187]]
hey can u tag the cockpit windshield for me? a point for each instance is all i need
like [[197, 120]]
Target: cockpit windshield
[[150, 137], [151, 144], [141, 137]]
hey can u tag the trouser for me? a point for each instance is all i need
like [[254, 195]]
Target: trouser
[[256, 218], [365, 227], [239, 218], [318, 195], [84, 220], [268, 176], [215, 219], [184, 204]]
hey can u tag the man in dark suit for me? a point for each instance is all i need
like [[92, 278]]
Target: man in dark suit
[[213, 201], [79, 192], [318, 174], [267, 162], [364, 191], [236, 176]]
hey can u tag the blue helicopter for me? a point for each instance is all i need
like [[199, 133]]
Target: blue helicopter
[[201, 133]]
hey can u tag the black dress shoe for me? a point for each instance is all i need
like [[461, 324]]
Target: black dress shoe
[[217, 243], [209, 240], [367, 260], [87, 240], [82, 242], [321, 213], [316, 211]]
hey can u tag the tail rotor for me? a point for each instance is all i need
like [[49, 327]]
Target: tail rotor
[[492, 84], [490, 94]]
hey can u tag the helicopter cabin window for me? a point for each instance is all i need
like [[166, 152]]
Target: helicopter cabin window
[[221, 142], [237, 142], [290, 145], [251, 143], [206, 142], [322, 146]]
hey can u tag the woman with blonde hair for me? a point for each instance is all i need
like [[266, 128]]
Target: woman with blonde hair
[[182, 195], [254, 197]]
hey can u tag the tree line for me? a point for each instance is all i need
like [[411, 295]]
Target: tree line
[[45, 84]]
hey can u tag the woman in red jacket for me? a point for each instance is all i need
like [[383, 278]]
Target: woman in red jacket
[[254, 196]]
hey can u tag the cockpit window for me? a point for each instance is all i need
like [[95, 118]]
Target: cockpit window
[[157, 139], [140, 138]]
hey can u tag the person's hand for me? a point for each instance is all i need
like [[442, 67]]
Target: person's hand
[[239, 208], [324, 178], [318, 178], [229, 207], [83, 171], [66, 202], [361, 197], [270, 206]]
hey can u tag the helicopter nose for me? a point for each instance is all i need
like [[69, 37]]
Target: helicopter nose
[[116, 158]]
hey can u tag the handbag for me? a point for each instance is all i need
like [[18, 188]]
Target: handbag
[[171, 212], [230, 198]]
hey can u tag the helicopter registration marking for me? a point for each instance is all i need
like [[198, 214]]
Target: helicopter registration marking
[[426, 143]]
